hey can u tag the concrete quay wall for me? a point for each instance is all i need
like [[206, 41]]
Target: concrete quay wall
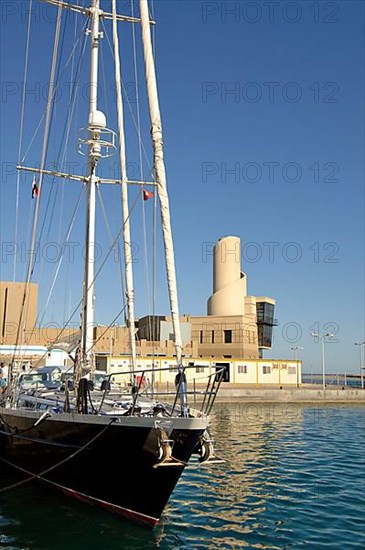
[[304, 394]]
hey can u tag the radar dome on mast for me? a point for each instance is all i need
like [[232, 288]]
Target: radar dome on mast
[[97, 120], [102, 139]]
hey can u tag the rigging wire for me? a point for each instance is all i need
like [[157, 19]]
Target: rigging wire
[[73, 313], [137, 93], [154, 221], [21, 136], [44, 114], [67, 237], [71, 56], [92, 282], [45, 144], [66, 278], [70, 119], [124, 189], [135, 121], [141, 164], [154, 233], [150, 167], [122, 286], [65, 138], [106, 104], [56, 89], [66, 130], [73, 81], [43, 159], [111, 240], [108, 327]]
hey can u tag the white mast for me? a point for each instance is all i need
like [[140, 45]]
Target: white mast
[[160, 175], [96, 123], [125, 209]]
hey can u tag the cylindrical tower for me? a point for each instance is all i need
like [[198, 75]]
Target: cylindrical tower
[[229, 282]]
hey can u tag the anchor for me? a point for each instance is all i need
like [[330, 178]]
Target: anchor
[[165, 445], [205, 450]]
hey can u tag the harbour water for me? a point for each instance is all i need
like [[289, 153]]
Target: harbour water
[[293, 478]]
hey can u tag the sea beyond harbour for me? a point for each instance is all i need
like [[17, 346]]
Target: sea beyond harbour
[[294, 477]]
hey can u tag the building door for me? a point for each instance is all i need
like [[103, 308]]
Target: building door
[[226, 372], [101, 362]]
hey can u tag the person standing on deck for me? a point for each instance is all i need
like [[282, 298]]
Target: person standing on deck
[[3, 377]]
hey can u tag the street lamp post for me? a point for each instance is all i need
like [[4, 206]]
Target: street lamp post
[[295, 349], [112, 342], [323, 337], [360, 344]]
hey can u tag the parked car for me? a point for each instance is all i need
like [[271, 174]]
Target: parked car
[[99, 378], [56, 378], [47, 377], [104, 381]]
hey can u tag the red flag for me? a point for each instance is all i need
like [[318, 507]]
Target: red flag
[[147, 195], [35, 189]]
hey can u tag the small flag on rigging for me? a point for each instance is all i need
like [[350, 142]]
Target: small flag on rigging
[[147, 194], [35, 189]]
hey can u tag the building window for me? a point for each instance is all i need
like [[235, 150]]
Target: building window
[[242, 369], [292, 370], [212, 336], [201, 337], [228, 337], [266, 370], [172, 368], [265, 312], [199, 369]]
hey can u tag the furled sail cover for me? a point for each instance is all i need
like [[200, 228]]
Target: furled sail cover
[[67, 343]]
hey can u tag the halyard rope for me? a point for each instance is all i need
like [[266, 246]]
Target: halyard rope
[[41, 474]]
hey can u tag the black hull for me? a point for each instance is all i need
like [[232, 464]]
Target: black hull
[[109, 463]]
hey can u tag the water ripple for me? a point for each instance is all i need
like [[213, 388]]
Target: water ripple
[[293, 479]]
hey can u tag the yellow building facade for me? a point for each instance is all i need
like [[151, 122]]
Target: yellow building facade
[[232, 336]]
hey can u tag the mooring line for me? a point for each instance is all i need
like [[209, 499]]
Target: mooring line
[[41, 474]]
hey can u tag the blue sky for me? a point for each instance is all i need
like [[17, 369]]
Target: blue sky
[[264, 132]]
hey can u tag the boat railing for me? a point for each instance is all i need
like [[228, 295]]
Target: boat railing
[[208, 393]]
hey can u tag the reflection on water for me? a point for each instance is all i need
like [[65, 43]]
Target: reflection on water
[[293, 478]]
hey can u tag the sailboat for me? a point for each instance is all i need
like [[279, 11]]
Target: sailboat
[[124, 452]]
